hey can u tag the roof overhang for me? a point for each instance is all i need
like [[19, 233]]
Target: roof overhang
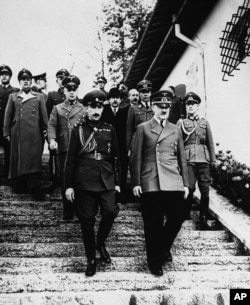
[[159, 49]]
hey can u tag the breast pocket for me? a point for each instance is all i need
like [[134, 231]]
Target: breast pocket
[[139, 118]]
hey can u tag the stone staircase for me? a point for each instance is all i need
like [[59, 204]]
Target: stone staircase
[[42, 260]]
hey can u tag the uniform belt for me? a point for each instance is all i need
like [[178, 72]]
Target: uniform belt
[[97, 156], [197, 142]]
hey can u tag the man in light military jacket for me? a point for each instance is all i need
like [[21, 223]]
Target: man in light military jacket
[[199, 149], [159, 176], [62, 119]]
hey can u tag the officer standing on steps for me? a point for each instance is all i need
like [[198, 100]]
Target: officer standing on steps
[[55, 98], [199, 148], [92, 175], [159, 176], [62, 119], [5, 90], [140, 113]]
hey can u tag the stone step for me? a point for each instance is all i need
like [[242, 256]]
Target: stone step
[[121, 297], [117, 248], [72, 233], [11, 265], [127, 281]]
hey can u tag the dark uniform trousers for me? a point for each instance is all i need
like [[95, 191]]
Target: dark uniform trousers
[[6, 147], [87, 204], [162, 214]]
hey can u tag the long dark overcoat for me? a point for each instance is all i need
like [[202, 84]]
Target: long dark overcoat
[[25, 120]]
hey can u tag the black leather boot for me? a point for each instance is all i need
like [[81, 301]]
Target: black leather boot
[[104, 255], [188, 206], [91, 267], [203, 213]]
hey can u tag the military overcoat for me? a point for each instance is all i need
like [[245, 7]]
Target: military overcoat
[[25, 121], [62, 119]]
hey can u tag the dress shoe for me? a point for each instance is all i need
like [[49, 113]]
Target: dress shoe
[[156, 271], [203, 223], [104, 255], [167, 256], [91, 267]]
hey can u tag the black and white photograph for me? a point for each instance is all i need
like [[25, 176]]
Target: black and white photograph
[[125, 152]]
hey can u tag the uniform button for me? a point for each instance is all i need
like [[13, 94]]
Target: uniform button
[[158, 144], [172, 154], [159, 161], [158, 153], [172, 162]]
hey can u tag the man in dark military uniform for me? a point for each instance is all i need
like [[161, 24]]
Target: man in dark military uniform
[[159, 176], [101, 83], [25, 123], [5, 90], [177, 109], [140, 113], [55, 98], [62, 119], [115, 115], [199, 148], [92, 175], [40, 83]]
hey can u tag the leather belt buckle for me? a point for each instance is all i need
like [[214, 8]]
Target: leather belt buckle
[[98, 156]]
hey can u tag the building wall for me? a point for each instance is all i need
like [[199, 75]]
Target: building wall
[[227, 104]]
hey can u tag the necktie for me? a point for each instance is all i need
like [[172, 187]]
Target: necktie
[[115, 111], [162, 123]]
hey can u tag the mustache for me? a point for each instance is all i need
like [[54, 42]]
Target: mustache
[[96, 115]]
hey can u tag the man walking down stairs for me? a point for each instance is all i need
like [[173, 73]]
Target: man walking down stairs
[[42, 260]]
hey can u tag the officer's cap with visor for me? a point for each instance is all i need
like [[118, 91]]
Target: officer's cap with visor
[[101, 79], [94, 98], [162, 99], [5, 69], [71, 82], [40, 77], [192, 98], [144, 85], [24, 73], [62, 73]]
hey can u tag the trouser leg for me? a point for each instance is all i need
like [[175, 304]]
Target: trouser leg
[[192, 175], [68, 207], [6, 148], [174, 210], [152, 214], [87, 208], [109, 210]]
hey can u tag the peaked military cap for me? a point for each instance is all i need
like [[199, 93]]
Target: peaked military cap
[[94, 98], [62, 72], [144, 85], [114, 92], [40, 77], [71, 81], [4, 68], [191, 96], [101, 79], [162, 98], [24, 73]]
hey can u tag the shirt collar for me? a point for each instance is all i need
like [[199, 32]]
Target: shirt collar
[[193, 118]]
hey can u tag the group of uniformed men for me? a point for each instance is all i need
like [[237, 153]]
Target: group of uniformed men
[[95, 139]]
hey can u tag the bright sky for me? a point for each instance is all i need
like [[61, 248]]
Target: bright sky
[[47, 35]]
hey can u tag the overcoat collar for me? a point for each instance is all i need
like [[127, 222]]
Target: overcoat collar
[[72, 109], [25, 96], [162, 132]]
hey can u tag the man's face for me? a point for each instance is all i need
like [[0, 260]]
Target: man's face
[[133, 97], [41, 83], [5, 78], [115, 101], [160, 113], [59, 80], [94, 112], [192, 108], [71, 93], [101, 85], [145, 95], [25, 82]]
